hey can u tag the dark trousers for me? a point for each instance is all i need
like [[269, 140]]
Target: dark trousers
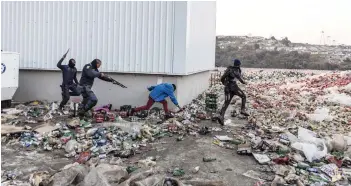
[[149, 104], [66, 93], [230, 91], [89, 98]]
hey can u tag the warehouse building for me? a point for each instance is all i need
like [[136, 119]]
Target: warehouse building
[[139, 43]]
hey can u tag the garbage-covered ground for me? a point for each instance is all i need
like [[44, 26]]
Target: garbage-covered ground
[[298, 134]]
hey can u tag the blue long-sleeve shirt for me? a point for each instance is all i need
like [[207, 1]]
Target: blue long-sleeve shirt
[[162, 91]]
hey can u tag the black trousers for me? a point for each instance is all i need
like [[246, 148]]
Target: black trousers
[[89, 99], [232, 89], [66, 93]]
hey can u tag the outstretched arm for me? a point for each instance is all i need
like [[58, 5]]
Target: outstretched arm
[[238, 75], [105, 78], [171, 95], [92, 73], [59, 63], [109, 79], [151, 88]]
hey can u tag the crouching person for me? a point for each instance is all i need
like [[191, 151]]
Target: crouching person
[[159, 93]]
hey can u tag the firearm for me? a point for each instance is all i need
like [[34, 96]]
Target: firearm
[[117, 83], [110, 79]]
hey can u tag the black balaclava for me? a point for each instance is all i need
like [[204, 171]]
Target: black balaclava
[[72, 63], [95, 62]]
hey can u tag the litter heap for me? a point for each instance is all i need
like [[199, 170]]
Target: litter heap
[[82, 140], [299, 128]]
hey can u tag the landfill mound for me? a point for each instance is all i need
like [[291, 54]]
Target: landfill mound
[[299, 130]]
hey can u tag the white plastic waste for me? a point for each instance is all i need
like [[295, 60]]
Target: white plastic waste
[[341, 99], [321, 114], [312, 147]]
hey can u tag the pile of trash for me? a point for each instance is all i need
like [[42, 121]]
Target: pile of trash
[[299, 128], [310, 102], [82, 139]]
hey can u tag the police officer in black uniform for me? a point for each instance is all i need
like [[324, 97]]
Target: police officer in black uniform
[[69, 74], [229, 78], [89, 73]]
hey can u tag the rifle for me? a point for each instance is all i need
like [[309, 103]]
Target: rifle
[[116, 82], [110, 79]]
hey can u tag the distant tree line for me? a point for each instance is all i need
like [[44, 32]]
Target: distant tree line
[[254, 57]]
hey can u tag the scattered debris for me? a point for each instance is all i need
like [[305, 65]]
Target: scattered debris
[[299, 129]]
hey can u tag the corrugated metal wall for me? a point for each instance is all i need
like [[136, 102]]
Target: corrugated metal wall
[[126, 36]]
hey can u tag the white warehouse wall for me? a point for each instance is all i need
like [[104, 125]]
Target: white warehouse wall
[[200, 40], [127, 36], [155, 37]]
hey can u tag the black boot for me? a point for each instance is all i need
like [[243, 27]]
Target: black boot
[[220, 120], [60, 110], [131, 112]]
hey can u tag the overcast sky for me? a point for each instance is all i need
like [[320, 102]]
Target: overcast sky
[[299, 20]]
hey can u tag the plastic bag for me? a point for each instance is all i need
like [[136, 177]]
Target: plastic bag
[[292, 138], [341, 99], [312, 147], [70, 146], [310, 150], [321, 114], [306, 135]]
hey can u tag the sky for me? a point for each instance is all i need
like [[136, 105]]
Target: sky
[[299, 20]]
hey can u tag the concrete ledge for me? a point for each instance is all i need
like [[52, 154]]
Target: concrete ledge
[[45, 85]]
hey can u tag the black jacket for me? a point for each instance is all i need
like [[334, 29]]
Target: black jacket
[[232, 74], [89, 73], [68, 74]]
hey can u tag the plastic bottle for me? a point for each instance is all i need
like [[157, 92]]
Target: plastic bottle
[[209, 159], [302, 165], [102, 156], [178, 172]]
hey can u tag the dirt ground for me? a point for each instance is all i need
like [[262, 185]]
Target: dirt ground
[[189, 153]]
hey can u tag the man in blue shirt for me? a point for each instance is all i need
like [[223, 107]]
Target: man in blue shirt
[[158, 94]]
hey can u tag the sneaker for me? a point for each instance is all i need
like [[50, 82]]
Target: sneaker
[[168, 116], [60, 111], [243, 112]]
